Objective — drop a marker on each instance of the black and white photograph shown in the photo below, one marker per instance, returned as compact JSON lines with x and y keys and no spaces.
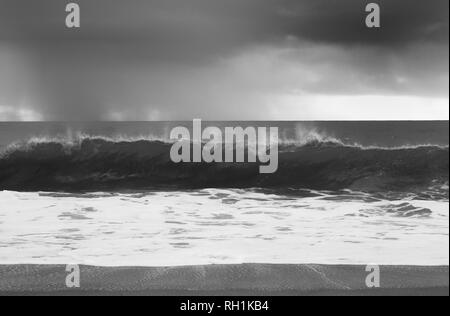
{"x":209,"y":150}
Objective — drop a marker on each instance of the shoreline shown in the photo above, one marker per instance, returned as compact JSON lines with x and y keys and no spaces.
{"x":225,"y":280}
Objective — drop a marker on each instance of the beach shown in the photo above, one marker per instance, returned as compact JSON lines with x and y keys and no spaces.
{"x":232,"y":148}
{"x":224,"y":280}
{"x":110,"y":200}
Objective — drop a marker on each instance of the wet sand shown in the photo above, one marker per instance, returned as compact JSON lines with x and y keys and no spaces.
{"x":224,"y":280}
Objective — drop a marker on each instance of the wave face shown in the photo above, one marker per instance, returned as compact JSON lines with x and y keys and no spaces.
{"x":98,"y":164}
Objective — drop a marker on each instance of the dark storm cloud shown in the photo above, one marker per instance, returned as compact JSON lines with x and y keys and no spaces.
{"x":140,"y":59}
{"x":341,"y":21}
{"x":168,"y":24}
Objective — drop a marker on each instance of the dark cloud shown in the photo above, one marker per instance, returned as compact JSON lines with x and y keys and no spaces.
{"x":140,"y":59}
{"x":224,"y":23}
{"x":342,"y":21}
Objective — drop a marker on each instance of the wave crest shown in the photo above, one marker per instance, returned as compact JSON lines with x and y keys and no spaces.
{"x":314,"y":161}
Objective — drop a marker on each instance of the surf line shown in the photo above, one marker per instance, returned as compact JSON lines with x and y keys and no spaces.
{"x":208,"y":145}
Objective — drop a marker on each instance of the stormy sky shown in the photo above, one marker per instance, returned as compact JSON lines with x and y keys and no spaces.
{"x":224,"y":60}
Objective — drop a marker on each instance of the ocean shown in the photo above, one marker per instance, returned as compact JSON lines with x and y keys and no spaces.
{"x":108,"y":194}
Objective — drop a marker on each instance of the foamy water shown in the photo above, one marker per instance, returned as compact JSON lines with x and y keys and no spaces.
{"x":220,"y":227}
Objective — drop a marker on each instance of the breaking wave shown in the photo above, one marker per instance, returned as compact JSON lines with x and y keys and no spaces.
{"x":312,"y":160}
